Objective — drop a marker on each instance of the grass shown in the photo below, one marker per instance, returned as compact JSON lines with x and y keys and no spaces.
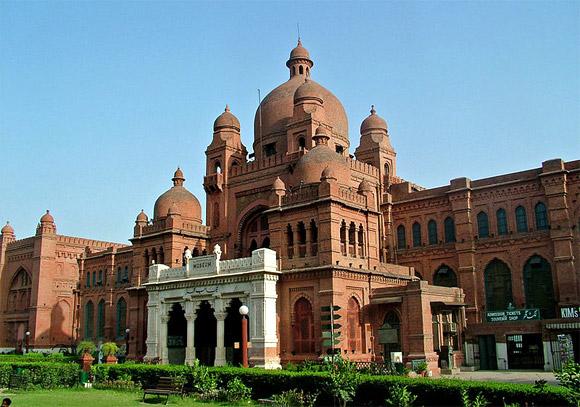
{"x":81,"y":397}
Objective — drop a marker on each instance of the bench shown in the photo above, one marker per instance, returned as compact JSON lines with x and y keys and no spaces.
{"x":166,"y":386}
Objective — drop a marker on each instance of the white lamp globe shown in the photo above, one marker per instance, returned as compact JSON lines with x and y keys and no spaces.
{"x":244,"y":310}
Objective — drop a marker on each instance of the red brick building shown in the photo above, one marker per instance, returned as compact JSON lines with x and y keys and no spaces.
{"x":406,"y":265}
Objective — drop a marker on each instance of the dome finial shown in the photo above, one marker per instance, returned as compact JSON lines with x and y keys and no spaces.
{"x":227,"y":109}
{"x":373,"y":111}
{"x":178,"y":177}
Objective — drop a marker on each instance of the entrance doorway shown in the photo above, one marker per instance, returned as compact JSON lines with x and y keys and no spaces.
{"x":205,"y":334}
{"x":233,"y":333}
{"x":487,"y":355}
{"x":390,"y":337}
{"x":176,"y":335}
{"x":525,"y":351}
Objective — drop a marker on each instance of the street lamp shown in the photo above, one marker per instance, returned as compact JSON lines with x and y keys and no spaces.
{"x":243,"y":312}
{"x":27,"y":340}
{"x":127,"y":341}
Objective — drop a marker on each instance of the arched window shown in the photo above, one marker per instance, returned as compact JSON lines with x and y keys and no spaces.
{"x":392,"y":327}
{"x":354,"y":326}
{"x":432,"y":229}
{"x":301,"y":239}
{"x":352,"y":239}
{"x":521,"y":220}
{"x":541,"y":216}
{"x":121,"y":317}
{"x":482,"y":225}
{"x":449,"y":226}
{"x":301,"y":69}
{"x":303,"y":327}
{"x":290,"y":241}
{"x":88,"y":282}
{"x":126,"y":275}
{"x":147,"y":260}
{"x":387,"y":175}
{"x":343,"y":244}
{"x":119,"y":278}
{"x":100,"y":278}
{"x":498,"y":286}
{"x":314,"y":238}
{"x":255,"y":229}
{"x":195,"y":252}
{"x":20,"y":292}
{"x":101,"y":319}
{"x":361,"y":241}
{"x":265,"y":243}
{"x":89,"y":319}
{"x":216,"y":214}
{"x":161,"y":256}
{"x":416,"y":234}
{"x":154,"y":256}
{"x":401,"y":239}
{"x":94,"y":278}
{"x":234,"y":166}
{"x":502,"y":228}
{"x":301,"y":143}
{"x":539,"y":287}
{"x":217,"y":167}
{"x":445,"y":276}
{"x":253,"y":245}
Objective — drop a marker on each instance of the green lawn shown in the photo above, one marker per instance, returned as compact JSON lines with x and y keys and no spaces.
{"x":96,"y":398}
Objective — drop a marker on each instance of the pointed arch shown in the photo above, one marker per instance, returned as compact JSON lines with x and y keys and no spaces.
{"x":449,"y":226}
{"x":482,"y":225}
{"x":521,"y":220}
{"x":539,"y":287}
{"x":401,"y":238}
{"x":502,"y":226}
{"x":354,"y":328}
{"x":432,"y":230}
{"x":303,"y":327}
{"x":498,"y":286}
{"x":89,"y":320}
{"x":445,"y":276}
{"x":121,"y":320}
{"x":416,"y":228}
{"x":101,"y":319}
{"x":343,"y":243}
{"x":19,"y":294}
{"x":541,"y":216}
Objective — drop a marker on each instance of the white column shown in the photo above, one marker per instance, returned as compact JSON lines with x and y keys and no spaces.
{"x":152,"y":332}
{"x":190,"y":307}
{"x":548,"y":357}
{"x":220,"y":350}
{"x":163,"y":339}
{"x":501,"y":355}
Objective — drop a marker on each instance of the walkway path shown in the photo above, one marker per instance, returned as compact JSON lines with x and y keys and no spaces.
{"x":506,"y":376}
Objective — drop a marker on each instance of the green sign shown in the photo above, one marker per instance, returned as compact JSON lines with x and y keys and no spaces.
{"x":327,"y":308}
{"x":513,"y":315}
{"x":328,"y":342}
{"x":570,"y":311}
{"x":328,"y":335}
{"x":328,"y":327}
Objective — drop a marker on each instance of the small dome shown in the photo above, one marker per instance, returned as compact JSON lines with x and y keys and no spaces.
{"x":226,"y":120}
{"x":278,"y":185}
{"x":7,"y":229}
{"x":365,"y":186}
{"x":178,"y":174}
{"x":309,"y":90}
{"x":327,"y":173}
{"x":321,"y":158}
{"x":187,"y":205}
{"x":373,"y":122}
{"x":299,"y":52}
{"x":173,"y":210}
{"x":47,"y":218}
{"x":142,"y":217}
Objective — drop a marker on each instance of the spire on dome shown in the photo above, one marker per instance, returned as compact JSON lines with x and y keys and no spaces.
{"x":178,"y":178}
{"x":373,"y":111}
{"x":227,"y":109}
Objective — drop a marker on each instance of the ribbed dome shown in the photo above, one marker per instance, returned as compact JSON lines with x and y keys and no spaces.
{"x":47,"y":218}
{"x":299,"y":52}
{"x":185,"y":202}
{"x":226,"y":120}
{"x":365,"y":186}
{"x":278,"y":108}
{"x":7,"y":229}
{"x":373,"y":122}
{"x":309,"y":90}
{"x":321,"y":158}
{"x":142,"y":217}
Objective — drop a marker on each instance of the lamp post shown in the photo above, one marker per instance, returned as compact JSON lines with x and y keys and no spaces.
{"x":243,"y":312}
{"x":27,"y":340}
{"x":127,"y":341}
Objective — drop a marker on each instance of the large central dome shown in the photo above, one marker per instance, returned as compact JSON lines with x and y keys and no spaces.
{"x":277,"y":108}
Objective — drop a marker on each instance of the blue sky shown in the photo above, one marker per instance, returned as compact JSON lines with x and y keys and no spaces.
{"x":101,"y":101}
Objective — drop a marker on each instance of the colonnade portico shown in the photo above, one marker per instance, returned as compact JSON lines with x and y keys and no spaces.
{"x":216,"y":285}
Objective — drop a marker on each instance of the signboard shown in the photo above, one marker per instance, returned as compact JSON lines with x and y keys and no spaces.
{"x":388,"y":335}
{"x":570,"y":312}
{"x":513,"y":315}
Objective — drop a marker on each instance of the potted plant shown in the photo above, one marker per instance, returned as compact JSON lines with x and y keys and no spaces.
{"x":85,"y":349}
{"x":110,"y":350}
{"x":422,"y":368}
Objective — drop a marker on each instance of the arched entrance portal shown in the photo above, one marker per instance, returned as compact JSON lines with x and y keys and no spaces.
{"x":176,"y":335}
{"x":205,"y":334}
{"x":233,"y":333}
{"x":390,"y":335}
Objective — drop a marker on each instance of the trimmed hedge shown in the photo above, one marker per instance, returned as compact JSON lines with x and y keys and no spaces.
{"x":372,"y":390}
{"x":38,"y":357}
{"x":40,"y":374}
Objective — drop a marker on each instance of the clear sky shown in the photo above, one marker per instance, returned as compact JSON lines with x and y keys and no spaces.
{"x":101,"y":101}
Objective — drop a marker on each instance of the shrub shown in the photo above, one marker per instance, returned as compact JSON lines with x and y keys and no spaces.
{"x":342,"y":380}
{"x":294,"y":398}
{"x":400,"y":397}
{"x":421,"y":367}
{"x":569,"y":377}
{"x":43,"y":374}
{"x":236,"y":391}
{"x":86,"y":347}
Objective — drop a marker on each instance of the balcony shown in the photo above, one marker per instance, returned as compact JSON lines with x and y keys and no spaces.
{"x":213,"y":183}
